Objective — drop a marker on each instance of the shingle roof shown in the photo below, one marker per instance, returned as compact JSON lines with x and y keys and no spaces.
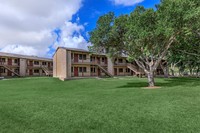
{"x":24,"y":56}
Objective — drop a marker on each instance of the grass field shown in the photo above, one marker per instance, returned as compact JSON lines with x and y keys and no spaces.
{"x":47,"y":105}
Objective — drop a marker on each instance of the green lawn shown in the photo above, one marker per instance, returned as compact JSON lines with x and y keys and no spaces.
{"x":46,"y":105}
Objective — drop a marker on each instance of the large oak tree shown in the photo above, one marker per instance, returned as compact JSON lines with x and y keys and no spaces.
{"x":146,"y":35}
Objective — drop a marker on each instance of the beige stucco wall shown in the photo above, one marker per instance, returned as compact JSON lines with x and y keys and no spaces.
{"x":60,"y":64}
{"x":69,"y":63}
{"x":110,"y":66}
{"x":23,"y":66}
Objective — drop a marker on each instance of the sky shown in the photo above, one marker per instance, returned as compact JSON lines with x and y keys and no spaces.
{"x":38,"y":27}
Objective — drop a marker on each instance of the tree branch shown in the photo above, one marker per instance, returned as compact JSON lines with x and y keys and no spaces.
{"x":188,"y":53}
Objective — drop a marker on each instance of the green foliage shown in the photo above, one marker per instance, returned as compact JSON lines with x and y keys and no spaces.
{"x":147,"y":33}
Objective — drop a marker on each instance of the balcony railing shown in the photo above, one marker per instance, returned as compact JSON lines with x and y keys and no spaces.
{"x":8,"y":63}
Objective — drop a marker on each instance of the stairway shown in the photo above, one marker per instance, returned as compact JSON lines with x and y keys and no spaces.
{"x":6,"y":67}
{"x":47,"y":71}
{"x":135,"y":70}
{"x":104,"y":70}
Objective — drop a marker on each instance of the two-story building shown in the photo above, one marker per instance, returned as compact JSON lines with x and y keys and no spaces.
{"x":22,"y":65}
{"x":69,"y":63}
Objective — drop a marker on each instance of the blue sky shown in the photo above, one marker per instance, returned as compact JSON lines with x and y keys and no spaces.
{"x":35,"y":27}
{"x":93,"y":9}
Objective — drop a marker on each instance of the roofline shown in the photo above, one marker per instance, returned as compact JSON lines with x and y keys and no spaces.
{"x":27,"y":56}
{"x":70,"y":49}
{"x":81,"y":50}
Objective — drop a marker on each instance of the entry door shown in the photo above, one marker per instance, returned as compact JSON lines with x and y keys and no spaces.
{"x":115,"y":71}
{"x":9,"y":73}
{"x":30,"y":72}
{"x":99,"y":72}
{"x":31,"y":63}
{"x":98,"y":60}
{"x":106,"y":61}
{"x":75,"y":57}
{"x":75,"y":71}
{"x":49,"y":64}
{"x":10,"y":62}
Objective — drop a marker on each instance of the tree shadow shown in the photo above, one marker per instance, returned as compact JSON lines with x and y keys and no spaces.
{"x":171,"y":82}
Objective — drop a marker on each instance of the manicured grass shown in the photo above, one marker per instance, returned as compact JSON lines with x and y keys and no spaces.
{"x":46,"y":105}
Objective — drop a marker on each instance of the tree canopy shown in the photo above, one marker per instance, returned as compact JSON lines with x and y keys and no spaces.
{"x":147,"y":35}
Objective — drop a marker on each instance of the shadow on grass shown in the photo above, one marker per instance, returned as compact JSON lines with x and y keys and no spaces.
{"x":172,"y":82}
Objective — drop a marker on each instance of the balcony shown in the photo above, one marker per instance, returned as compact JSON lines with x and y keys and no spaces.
{"x":9,"y":63}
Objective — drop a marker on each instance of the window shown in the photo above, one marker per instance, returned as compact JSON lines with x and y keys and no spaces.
{"x":44,"y":63}
{"x":2,"y":70}
{"x":121,"y":70}
{"x":92,"y":59}
{"x":16,"y":70}
{"x":80,"y":69}
{"x":92,"y":70}
{"x":80,"y":56}
{"x":84,"y":69}
{"x":120,"y":60}
{"x":36,"y":71}
{"x":72,"y":56}
{"x":103,"y":59}
{"x":2,"y":60}
{"x":127,"y":70}
{"x":16,"y":61}
{"x":72,"y":69}
{"x":84,"y":57}
{"x":36,"y":62}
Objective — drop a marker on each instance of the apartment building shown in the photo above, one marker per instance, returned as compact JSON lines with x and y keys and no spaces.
{"x":69,"y":63}
{"x":22,"y":65}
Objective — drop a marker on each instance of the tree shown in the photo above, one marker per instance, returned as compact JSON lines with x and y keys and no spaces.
{"x":146,"y":35}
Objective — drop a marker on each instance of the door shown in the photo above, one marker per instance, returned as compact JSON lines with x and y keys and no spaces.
{"x":49,"y":64}
{"x":99,"y":72}
{"x":75,"y":57}
{"x":31,"y":63}
{"x":30,"y":72}
{"x":98,"y":60}
{"x":9,"y":73}
{"x":10,"y":62}
{"x":75,"y":71}
{"x":106,"y":61}
{"x":115,"y":71}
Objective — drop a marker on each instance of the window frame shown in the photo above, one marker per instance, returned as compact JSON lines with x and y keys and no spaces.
{"x":36,"y":63}
{"x":34,"y":71}
{"x":121,"y":70}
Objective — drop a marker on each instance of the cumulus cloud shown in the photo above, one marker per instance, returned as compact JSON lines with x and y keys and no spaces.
{"x":70,"y":36}
{"x":27,"y":25}
{"x":126,"y":2}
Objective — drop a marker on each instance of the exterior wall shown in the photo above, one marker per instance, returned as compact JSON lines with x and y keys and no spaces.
{"x":55,"y":65}
{"x":82,"y":74}
{"x":60,"y":59}
{"x":124,"y":73}
{"x":23,"y":67}
{"x":110,"y":66}
{"x":69,"y":63}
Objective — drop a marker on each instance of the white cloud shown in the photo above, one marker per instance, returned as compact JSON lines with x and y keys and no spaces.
{"x":71,"y":36}
{"x":126,"y":2}
{"x":27,"y":25}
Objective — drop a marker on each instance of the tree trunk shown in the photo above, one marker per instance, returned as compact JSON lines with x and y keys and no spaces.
{"x":172,"y":71}
{"x":151,"y":79}
{"x":165,"y":70}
